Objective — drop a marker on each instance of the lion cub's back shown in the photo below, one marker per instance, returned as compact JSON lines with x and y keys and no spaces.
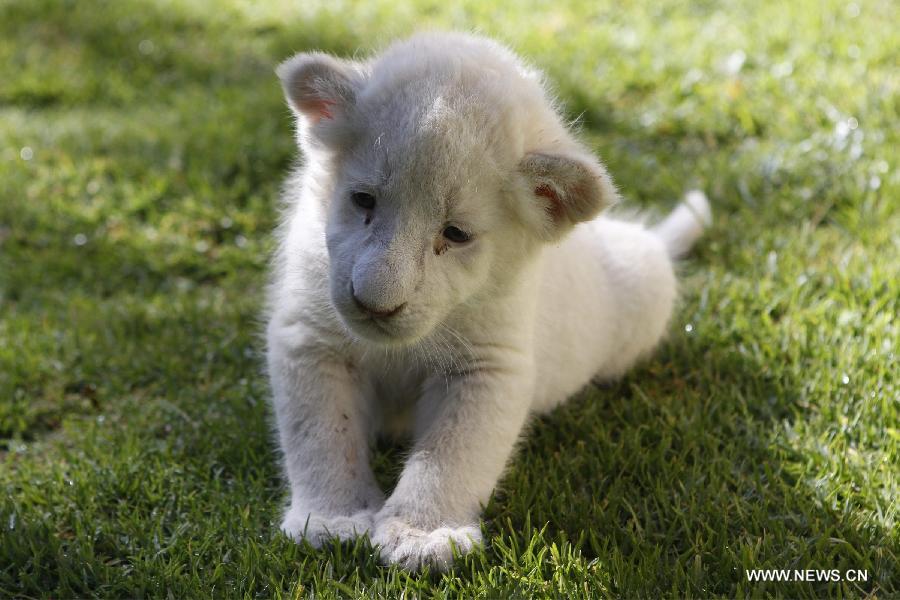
{"x":606,"y":297}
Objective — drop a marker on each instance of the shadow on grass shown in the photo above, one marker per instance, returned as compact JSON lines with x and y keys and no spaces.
{"x":663,"y":469}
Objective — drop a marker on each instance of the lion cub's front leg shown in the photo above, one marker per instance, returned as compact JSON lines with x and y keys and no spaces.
{"x":459,"y":454}
{"x":322,"y":426}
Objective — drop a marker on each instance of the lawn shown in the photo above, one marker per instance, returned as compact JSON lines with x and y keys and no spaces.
{"x":142,"y":146}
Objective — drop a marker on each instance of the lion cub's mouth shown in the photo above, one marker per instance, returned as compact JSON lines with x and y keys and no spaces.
{"x":388,"y":329}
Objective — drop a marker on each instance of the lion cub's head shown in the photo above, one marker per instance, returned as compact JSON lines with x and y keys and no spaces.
{"x":443,"y":166}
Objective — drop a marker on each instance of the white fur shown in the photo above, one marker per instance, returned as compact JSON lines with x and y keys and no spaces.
{"x":443,"y":129}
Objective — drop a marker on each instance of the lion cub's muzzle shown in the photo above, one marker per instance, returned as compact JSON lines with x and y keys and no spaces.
{"x":373,"y":311}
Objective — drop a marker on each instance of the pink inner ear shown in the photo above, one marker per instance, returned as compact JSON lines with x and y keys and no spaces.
{"x":318,"y":109}
{"x":555,"y":208}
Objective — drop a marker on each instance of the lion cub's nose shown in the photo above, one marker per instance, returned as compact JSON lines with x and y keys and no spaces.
{"x":374,"y":312}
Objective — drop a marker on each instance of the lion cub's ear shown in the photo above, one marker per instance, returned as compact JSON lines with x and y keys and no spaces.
{"x":563,"y":189}
{"x":320,"y":87}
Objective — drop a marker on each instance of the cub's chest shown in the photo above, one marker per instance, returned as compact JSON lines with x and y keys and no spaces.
{"x":393,"y":392}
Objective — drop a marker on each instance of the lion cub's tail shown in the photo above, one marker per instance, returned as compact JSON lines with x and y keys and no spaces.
{"x":685,"y":224}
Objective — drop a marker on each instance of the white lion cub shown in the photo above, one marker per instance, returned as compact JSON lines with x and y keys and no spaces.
{"x":443,"y":257}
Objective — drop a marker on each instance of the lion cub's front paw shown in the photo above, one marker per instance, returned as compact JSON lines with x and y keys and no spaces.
{"x":412,"y":548}
{"x":318,"y":529}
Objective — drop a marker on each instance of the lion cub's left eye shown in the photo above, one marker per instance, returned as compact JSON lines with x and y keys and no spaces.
{"x":363,"y":200}
{"x":456,"y":235}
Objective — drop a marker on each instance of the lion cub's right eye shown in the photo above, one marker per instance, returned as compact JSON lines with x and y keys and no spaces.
{"x":363,"y":200}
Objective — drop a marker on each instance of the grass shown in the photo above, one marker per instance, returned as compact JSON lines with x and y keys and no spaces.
{"x":141,"y":150}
